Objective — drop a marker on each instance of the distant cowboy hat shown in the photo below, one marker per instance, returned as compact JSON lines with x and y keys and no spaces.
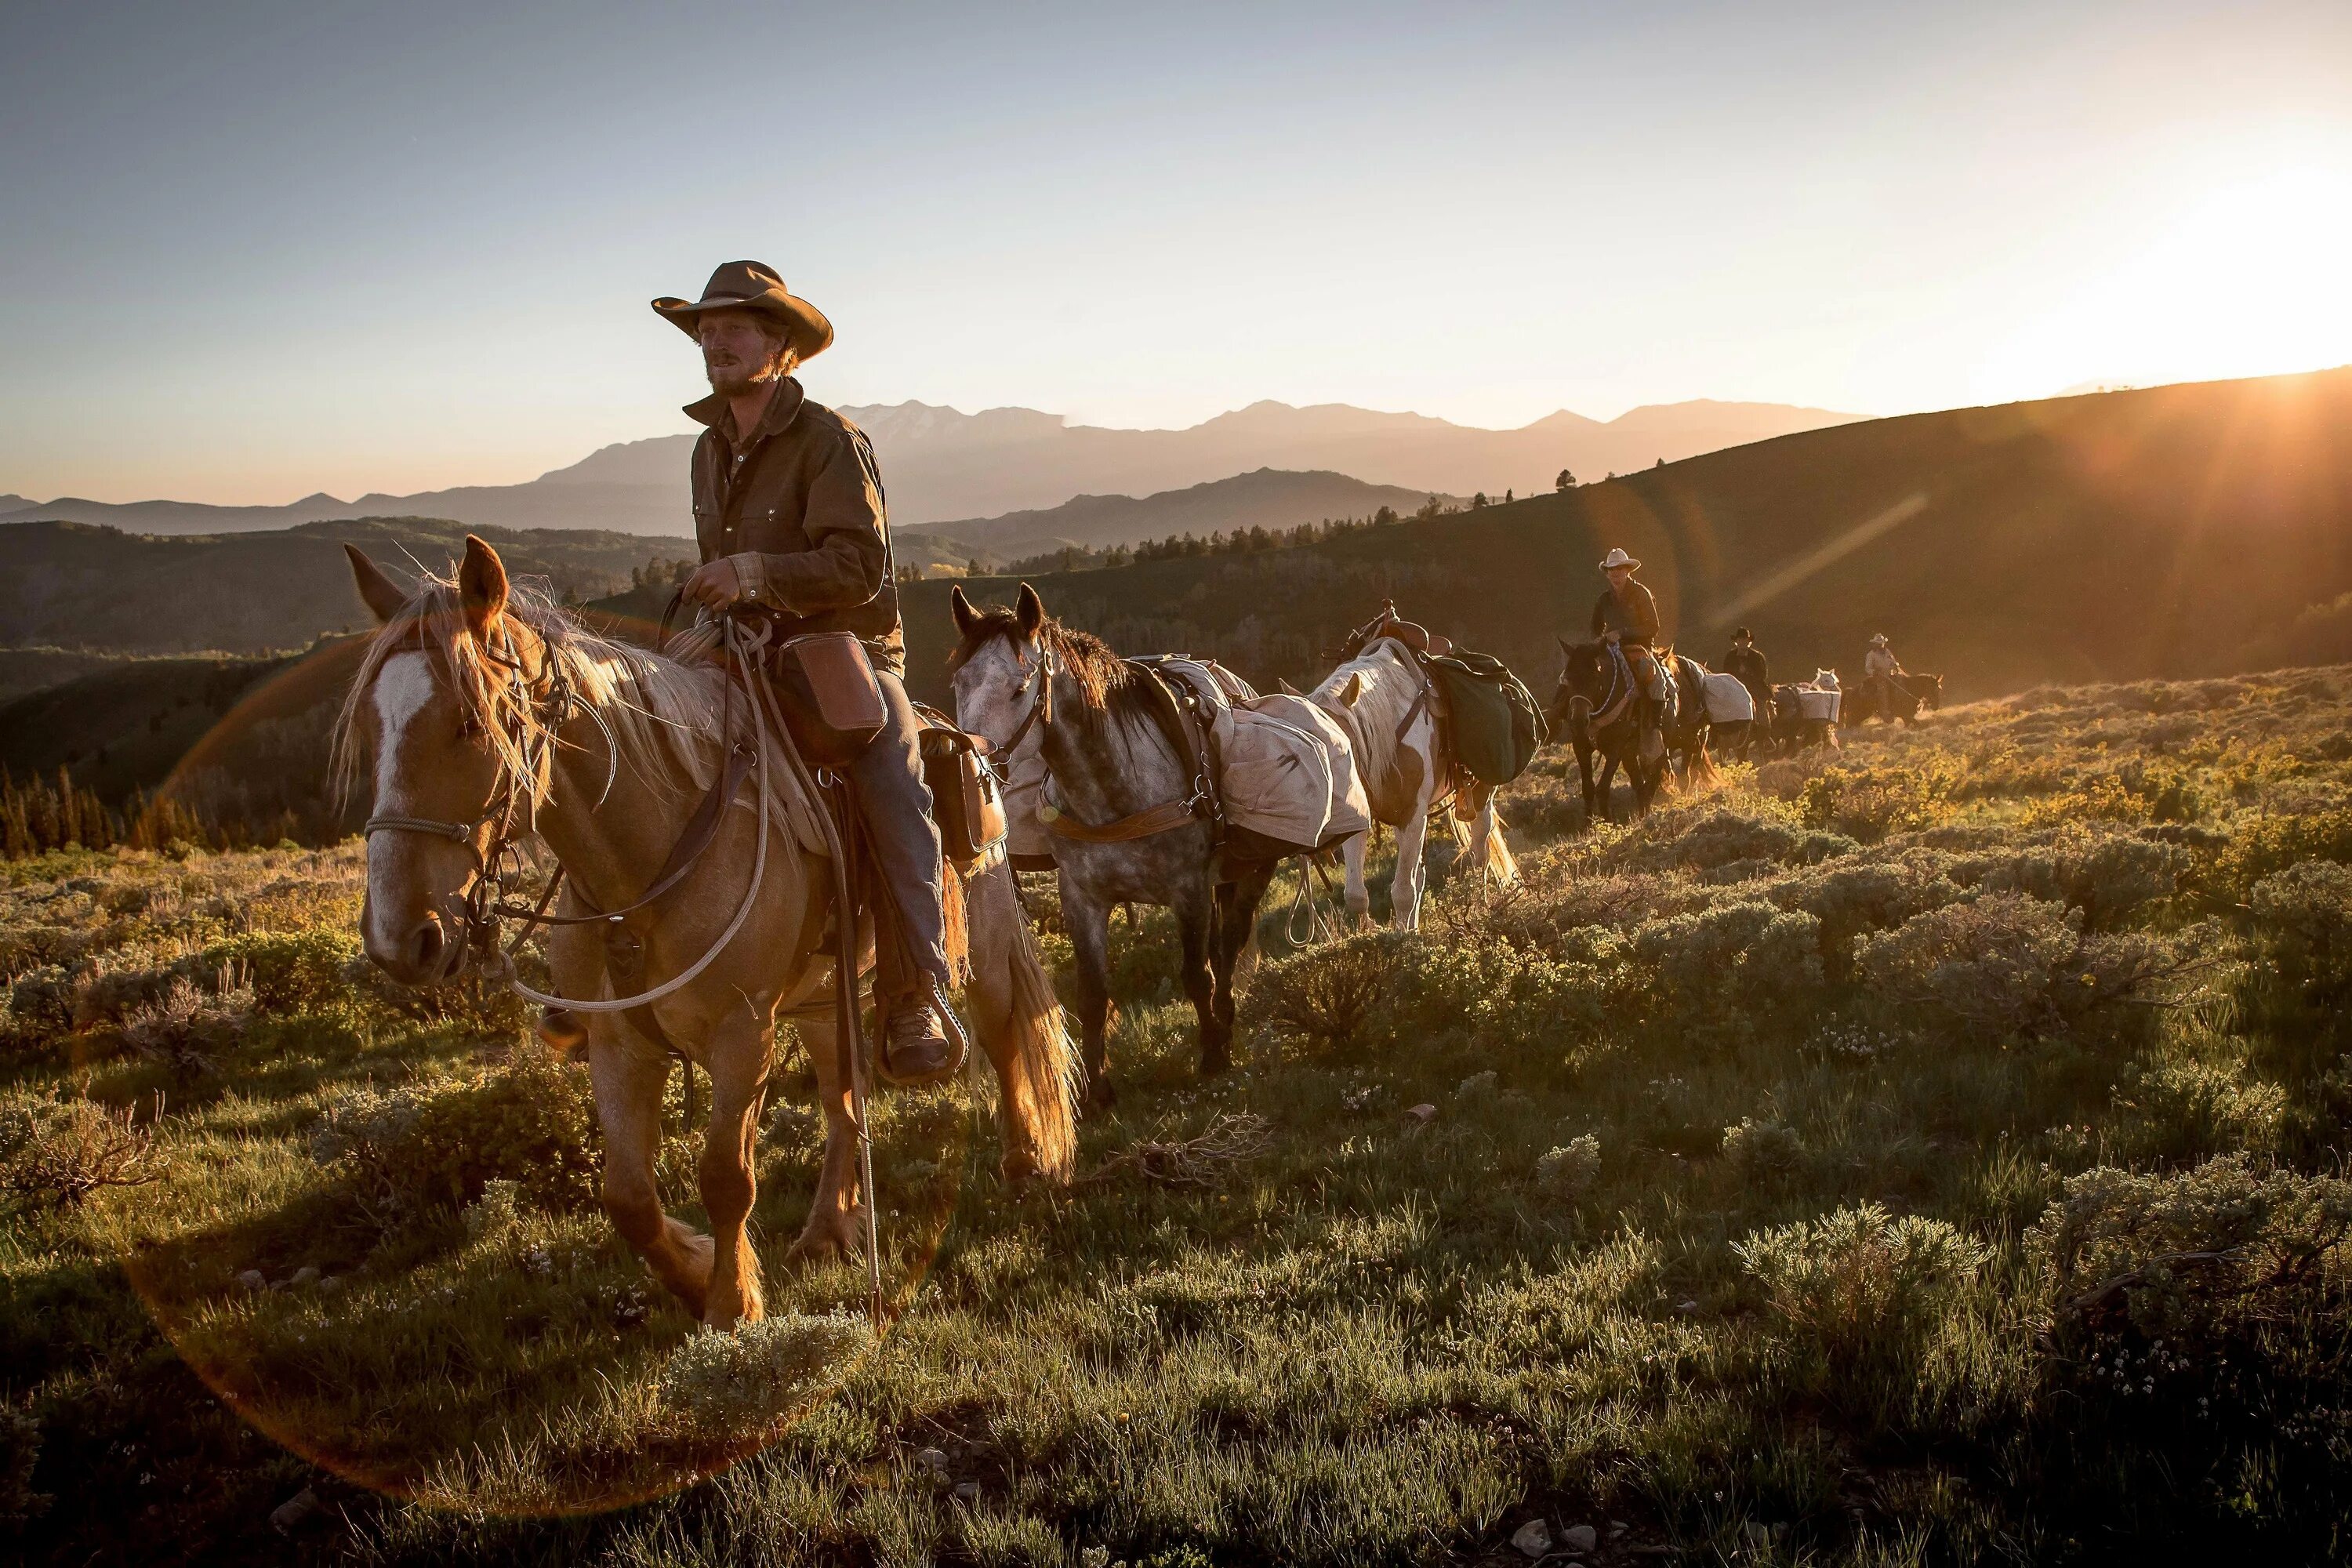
{"x":1617,"y":558}
{"x":1878,"y":639}
{"x":754,"y":286}
{"x":1743,"y":635}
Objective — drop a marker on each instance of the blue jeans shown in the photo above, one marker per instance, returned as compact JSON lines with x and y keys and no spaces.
{"x":902,"y":849}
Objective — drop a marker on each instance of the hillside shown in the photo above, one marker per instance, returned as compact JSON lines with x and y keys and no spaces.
{"x":1268,"y":499}
{"x":1929,"y":1154}
{"x":75,"y":587}
{"x":942,"y":464}
{"x":2182,"y":529}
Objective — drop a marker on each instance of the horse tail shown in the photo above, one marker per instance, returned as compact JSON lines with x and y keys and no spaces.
{"x":1499,"y":863}
{"x":1044,"y":1064}
{"x":956,"y":920}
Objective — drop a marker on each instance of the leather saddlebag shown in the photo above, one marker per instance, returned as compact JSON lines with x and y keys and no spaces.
{"x":829,"y":695}
{"x":965,"y":801}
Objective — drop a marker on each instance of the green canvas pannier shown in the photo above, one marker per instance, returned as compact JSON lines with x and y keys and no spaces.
{"x":1497,"y":724}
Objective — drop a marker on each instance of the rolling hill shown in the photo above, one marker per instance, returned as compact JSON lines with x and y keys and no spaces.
{"x":1270,"y":498}
{"x":942,"y":464}
{"x":2177,"y":530}
{"x":76,"y":586}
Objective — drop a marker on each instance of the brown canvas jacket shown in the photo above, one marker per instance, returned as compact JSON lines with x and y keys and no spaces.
{"x":804,"y":498}
{"x":1634,"y":617}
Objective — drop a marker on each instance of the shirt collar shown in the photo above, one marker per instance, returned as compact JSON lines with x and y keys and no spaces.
{"x":783,"y":409}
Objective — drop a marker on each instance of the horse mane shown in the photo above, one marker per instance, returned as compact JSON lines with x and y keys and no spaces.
{"x":1379,"y":709}
{"x":1107,"y":684}
{"x":664,"y":717}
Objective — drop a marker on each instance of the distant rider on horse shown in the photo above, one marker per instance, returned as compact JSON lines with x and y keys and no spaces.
{"x":1627,"y":617}
{"x":788,"y":512}
{"x":1880,"y":669}
{"x":1745,"y":662}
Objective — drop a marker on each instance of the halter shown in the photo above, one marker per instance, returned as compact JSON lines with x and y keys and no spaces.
{"x":1041,"y":709}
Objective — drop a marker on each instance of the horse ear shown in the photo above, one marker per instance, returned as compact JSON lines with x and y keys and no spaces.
{"x":383,"y":597}
{"x":1353,"y":689}
{"x":1286,"y":687}
{"x":966,"y":617}
{"x":1029,"y":610}
{"x":1565,"y":646}
{"x":481,"y":585}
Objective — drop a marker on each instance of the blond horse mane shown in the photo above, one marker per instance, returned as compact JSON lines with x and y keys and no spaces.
{"x":664,"y":717}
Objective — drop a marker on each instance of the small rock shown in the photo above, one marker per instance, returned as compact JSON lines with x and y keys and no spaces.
{"x":306,"y":1275}
{"x":1532,"y":1538}
{"x":253,"y":1279}
{"x":967,"y":1491}
{"x":932,"y":1459}
{"x":1686,"y":1305}
{"x":332,"y":1283}
{"x":1422,"y":1113}
{"x":287,"y":1515}
{"x":1617,"y":1527}
{"x":1580,"y":1538}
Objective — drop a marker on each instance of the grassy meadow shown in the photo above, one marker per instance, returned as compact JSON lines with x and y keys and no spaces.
{"x":1927,"y":1151}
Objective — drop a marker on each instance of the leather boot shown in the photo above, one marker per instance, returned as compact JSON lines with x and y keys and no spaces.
{"x":915,"y":1048}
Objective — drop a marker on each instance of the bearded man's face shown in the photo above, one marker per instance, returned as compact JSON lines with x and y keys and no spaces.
{"x":739,"y":350}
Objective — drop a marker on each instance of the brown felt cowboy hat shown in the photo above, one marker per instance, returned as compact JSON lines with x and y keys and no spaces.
{"x":754,"y":286}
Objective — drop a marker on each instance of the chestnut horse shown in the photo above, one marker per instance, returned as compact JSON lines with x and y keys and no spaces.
{"x":490,"y":713}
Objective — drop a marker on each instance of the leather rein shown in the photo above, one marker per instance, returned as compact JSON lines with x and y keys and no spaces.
{"x":498,"y":863}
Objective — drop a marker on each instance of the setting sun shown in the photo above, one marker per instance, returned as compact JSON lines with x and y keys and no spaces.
{"x":2247,"y":281}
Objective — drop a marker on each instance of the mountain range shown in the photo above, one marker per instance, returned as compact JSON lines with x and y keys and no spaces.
{"x":939,"y":463}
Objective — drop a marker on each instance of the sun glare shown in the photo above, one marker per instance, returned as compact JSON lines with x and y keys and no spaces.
{"x":2251,"y":281}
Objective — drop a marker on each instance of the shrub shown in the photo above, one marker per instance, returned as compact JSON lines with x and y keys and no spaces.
{"x":54,"y":1155}
{"x":2272,"y":844}
{"x":1731,"y":957}
{"x":1763,"y":1151}
{"x":2016,"y":963}
{"x":1849,"y":900}
{"x":2189,"y":1254}
{"x":1868,"y":804}
{"x":760,"y":1371}
{"x":20,"y":1454}
{"x":1852,"y":1282}
{"x":188,"y":1027}
{"x":2109,"y":876}
{"x":290,"y":971}
{"x":1729,"y":837}
{"x":40,"y":1008}
{"x":2306,"y":914}
{"x":1570,"y":1170}
{"x":1325,"y":997}
{"x":443,"y":1141}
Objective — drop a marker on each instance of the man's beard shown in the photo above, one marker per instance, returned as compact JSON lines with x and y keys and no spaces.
{"x":734,"y":380}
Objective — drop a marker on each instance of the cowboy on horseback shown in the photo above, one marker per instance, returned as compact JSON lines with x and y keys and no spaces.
{"x":1626,"y":617}
{"x":1880,"y":670}
{"x":788,"y":512}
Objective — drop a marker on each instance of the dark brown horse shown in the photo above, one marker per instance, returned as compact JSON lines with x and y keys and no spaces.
{"x":1909,"y":696}
{"x":1598,"y":706}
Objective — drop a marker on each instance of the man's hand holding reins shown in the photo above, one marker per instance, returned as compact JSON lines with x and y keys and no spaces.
{"x":719,"y":584}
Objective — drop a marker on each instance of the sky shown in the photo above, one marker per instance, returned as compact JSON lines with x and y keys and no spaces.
{"x":254,"y":251}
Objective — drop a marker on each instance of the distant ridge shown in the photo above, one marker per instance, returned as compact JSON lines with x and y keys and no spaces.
{"x":939,"y":463}
{"x":1269,"y":498}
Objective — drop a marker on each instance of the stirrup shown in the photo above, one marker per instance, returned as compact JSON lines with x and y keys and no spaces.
{"x":959,"y":1043}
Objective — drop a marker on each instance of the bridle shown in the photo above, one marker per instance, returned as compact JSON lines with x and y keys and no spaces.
{"x":551,"y":704}
{"x":998,"y":760}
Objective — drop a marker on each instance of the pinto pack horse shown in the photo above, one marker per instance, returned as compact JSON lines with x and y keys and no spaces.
{"x":1382,"y":699}
{"x":1132,"y":817}
{"x":491,"y":713}
{"x":1597,"y":706}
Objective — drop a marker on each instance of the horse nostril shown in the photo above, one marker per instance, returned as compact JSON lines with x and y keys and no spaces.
{"x":425,"y":946}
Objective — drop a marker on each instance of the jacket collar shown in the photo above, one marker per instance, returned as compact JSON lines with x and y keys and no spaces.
{"x":783,"y":409}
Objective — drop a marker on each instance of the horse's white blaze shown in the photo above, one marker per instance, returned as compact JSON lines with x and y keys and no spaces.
{"x":403,"y":688}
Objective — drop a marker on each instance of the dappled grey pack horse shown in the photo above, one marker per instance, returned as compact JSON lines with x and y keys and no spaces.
{"x":491,"y":714}
{"x":1019,"y":674}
